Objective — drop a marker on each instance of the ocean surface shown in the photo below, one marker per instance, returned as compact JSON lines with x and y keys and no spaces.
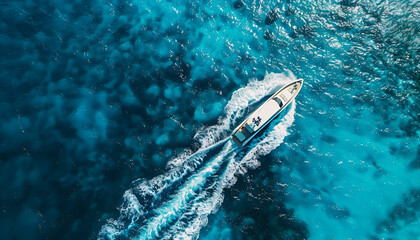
{"x":115,"y":119}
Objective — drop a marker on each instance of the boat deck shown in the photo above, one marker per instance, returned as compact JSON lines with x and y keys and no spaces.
{"x":262,"y":115}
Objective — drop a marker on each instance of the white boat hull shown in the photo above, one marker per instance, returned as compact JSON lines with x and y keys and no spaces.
{"x":266,"y":113}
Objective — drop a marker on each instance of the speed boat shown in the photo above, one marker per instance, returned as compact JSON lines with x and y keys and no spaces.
{"x":266,"y":113}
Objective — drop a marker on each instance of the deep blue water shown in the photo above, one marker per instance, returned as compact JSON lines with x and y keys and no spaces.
{"x":115,"y":117}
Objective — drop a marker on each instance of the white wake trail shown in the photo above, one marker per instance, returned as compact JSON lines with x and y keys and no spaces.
{"x":172,"y":209}
{"x":132,"y":209}
{"x":261,"y":146}
{"x":176,"y":205}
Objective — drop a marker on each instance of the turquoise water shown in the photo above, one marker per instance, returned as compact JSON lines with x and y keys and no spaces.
{"x":116,"y":116}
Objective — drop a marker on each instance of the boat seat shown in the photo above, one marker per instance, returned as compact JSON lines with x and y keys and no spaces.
{"x":249,"y":128}
{"x":241,"y":137}
{"x":245,"y":132}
